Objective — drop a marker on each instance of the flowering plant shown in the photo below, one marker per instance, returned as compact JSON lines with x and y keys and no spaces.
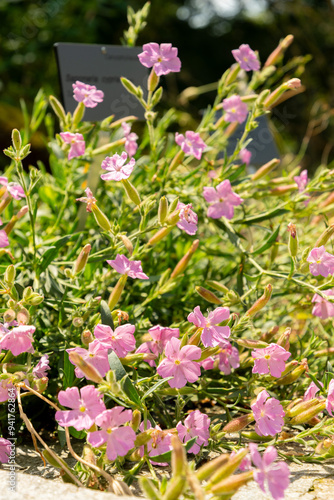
{"x":238,"y":318}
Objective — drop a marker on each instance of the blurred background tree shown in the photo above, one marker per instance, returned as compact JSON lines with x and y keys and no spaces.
{"x":205,"y":31}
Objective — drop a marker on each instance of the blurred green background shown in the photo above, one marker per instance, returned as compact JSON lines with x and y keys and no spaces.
{"x":205,"y":31}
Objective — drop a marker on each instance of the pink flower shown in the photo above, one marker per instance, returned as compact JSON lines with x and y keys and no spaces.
{"x":246,"y":57}
{"x":228,"y":357}
{"x":212,"y":334}
{"x":5,"y":385}
{"x":245,"y":156}
{"x":130,"y":267}
{"x":89,"y":199}
{"x":321,"y":262}
{"x":312,"y":390}
{"x":77,"y":144}
{"x":271,"y":360}
{"x":14,"y":189}
{"x":197,"y":424}
{"x":42,"y":367}
{"x":87,"y":94}
{"x":301,"y":181}
{"x":120,"y":439}
{"x":235,"y":109}
{"x":116,"y":168}
{"x":208,"y":363}
{"x":191,"y":144}
{"x":188,"y":218}
{"x":160,"y":335}
{"x":4,"y":241}
{"x":121,"y":340}
{"x":223,"y":200}
{"x":159,"y":443}
{"x":246,"y":463}
{"x":268,"y":414}
{"x":162,"y":58}
{"x":330,"y":398}
{"x":96,"y":355}
{"x":322,"y":307}
{"x":86,"y":406}
{"x":276,"y":475}
{"x":18,"y":340}
{"x":5,"y":449}
{"x":179,"y":363}
{"x":130,"y":145}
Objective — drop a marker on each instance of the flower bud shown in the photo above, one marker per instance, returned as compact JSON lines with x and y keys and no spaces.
{"x":253,"y":436}
{"x":10,"y":274}
{"x":230,"y":485}
{"x":283,"y":339}
{"x":57,"y":108}
{"x":293,"y":240}
{"x":182,"y":264}
{"x":130,"y":87}
{"x":117,"y":291}
{"x":9,"y":316}
{"x":88,"y":454}
{"x":209,"y":351}
{"x":251,"y":344}
{"x":162,"y":210}
{"x":35,"y":299}
{"x":206,"y":470}
{"x":101,"y":218}
{"x":136,"y":419}
{"x":261,"y":302}
{"x":301,"y":407}
{"x":325,"y":447}
{"x":81,"y":261}
{"x":126,"y":242}
{"x":267,"y":336}
{"x":89,"y":370}
{"x":152,"y":81}
{"x":78,"y":113}
{"x":178,"y":158}
{"x":143,"y":437}
{"x":23,"y":316}
{"x":25,"y":151}
{"x":131,"y":191}
{"x":175,"y":488}
{"x":306,"y":415}
{"x":226,"y":470}
{"x":196,"y":337}
{"x":149,"y":488}
{"x":272,"y":99}
{"x":265,"y":169}
{"x":207,"y":295}
{"x":159,"y":235}
{"x":325,"y":236}
{"x":278,"y":53}
{"x":232,"y":74}
{"x":173,"y":218}
{"x":107,"y":148}
{"x":86,"y":337}
{"x":294,"y":375}
{"x":217,"y":286}
{"x":179,"y":460}
{"x":239,"y":423}
{"x":41,"y":384}
{"x":4,"y":203}
{"x":16,"y":140}
{"x":77,"y":322}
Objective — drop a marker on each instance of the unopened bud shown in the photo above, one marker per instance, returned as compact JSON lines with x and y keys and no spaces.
{"x":182,"y":264}
{"x":57,"y":108}
{"x":159,"y":235}
{"x":143,"y":438}
{"x":162,"y":210}
{"x":81,"y":261}
{"x":153,"y":81}
{"x":261,"y":302}
{"x":173,"y":218}
{"x":301,"y":407}
{"x":23,"y":316}
{"x":265,"y":169}
{"x":251,"y":344}
{"x":226,"y":470}
{"x":267,"y":336}
{"x":233,"y":73}
{"x":179,"y":459}
{"x":16,"y":140}
{"x":325,"y":447}
{"x":35,"y":299}
{"x":10,"y":274}
{"x":101,"y":218}
{"x":86,"y":337}
{"x":77,"y":322}
{"x":293,"y":240}
{"x":136,"y":419}
{"x":325,"y":236}
{"x":217,"y":286}
{"x":239,"y":423}
{"x":126,"y":242}
{"x":22,"y":212}
{"x":117,"y":291}
{"x":231,"y":484}
{"x":209,"y":468}
{"x":131,"y":191}
{"x":175,"y":488}
{"x":89,"y":370}
{"x":78,"y":113}
{"x":149,"y":488}
{"x":207,"y":295}
{"x":9,"y":316}
{"x":41,"y":384}
{"x":294,"y":84}
{"x":4,"y":203}
{"x":293,"y":375}
{"x":88,"y":454}
{"x":178,"y":158}
{"x":283,"y":339}
{"x":306,"y":415}
{"x":130,"y":87}
{"x":277,"y":54}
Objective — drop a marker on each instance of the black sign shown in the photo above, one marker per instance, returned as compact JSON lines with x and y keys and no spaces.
{"x":102,"y":66}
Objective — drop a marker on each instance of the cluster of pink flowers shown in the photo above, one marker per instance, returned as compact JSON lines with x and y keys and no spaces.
{"x":160,"y":336}
{"x":162,"y":58}
{"x":77,"y":144}
{"x":117,"y":168}
{"x":268,"y":413}
{"x":88,"y":94}
{"x":222,"y":199}
{"x":271,"y":360}
{"x":212,"y":334}
{"x":191,"y":144}
{"x":321,"y":262}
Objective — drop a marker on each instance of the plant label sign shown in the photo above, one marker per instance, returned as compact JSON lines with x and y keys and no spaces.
{"x":102,"y":66}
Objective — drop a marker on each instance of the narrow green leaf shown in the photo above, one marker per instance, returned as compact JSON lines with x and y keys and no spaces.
{"x":123,"y":377}
{"x":268,"y":242}
{"x":264,"y":216}
{"x":106,"y":317}
{"x":155,"y":386}
{"x":68,"y":372}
